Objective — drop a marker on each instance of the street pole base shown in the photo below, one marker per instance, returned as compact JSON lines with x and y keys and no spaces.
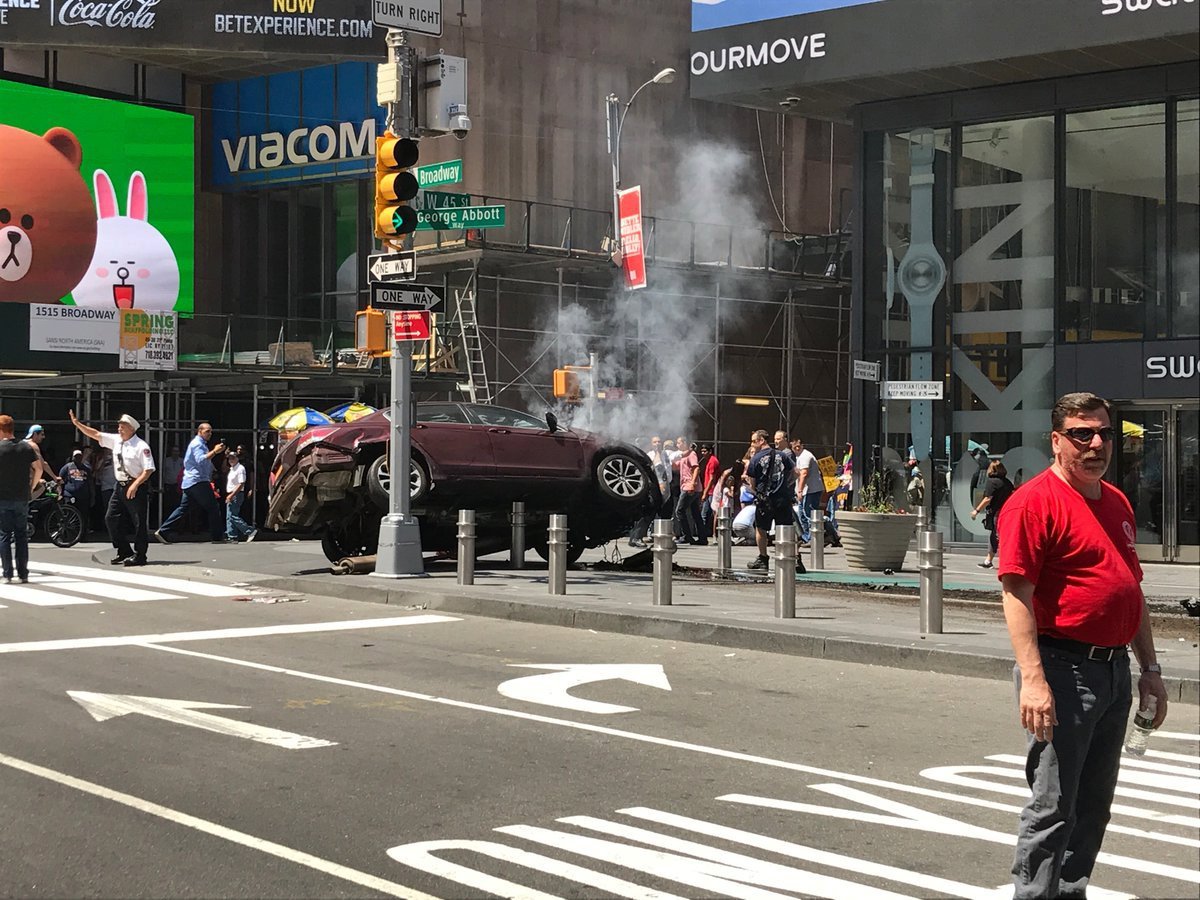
{"x":399,"y":554}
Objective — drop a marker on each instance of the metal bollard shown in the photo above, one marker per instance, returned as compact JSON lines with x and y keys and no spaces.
{"x":466,"y":546}
{"x":662,"y":543}
{"x":517,"y":553}
{"x":558,"y":554}
{"x":724,"y":540}
{"x":817,"y":534}
{"x":922,"y":519}
{"x":929,"y":562}
{"x":785,"y":571}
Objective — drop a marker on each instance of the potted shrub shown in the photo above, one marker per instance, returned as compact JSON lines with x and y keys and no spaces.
{"x":875,"y":533}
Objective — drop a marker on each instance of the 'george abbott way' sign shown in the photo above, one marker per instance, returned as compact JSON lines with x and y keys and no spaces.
{"x":310,"y":125}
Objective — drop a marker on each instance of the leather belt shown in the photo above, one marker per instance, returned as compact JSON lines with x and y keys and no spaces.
{"x":1088,"y":651}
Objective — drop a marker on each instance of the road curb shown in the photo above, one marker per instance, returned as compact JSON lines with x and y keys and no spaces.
{"x":789,"y":638}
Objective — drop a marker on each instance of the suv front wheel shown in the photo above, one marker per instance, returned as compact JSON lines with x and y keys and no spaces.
{"x":620,"y":477}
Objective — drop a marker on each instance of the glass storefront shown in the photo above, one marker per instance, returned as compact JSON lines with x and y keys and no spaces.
{"x":992,"y":245}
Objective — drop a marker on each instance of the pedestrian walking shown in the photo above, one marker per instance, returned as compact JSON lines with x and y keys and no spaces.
{"x":660,"y":467}
{"x":1073,"y":602}
{"x":810,"y":488}
{"x":236,"y":527}
{"x":710,"y":477}
{"x":197,"y":486}
{"x":20,"y":469}
{"x":995,"y":494}
{"x":687,"y":509}
{"x":769,"y":473}
{"x":128,"y":506}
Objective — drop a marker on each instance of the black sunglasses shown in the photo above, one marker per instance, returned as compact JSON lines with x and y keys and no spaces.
{"x":1084,"y":435}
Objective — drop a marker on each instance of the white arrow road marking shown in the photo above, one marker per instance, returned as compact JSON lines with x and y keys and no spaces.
{"x":183,"y":712}
{"x":552,"y":689}
{"x":186,"y":585}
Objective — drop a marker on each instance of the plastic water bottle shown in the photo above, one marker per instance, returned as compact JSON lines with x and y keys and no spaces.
{"x":1143,"y":724}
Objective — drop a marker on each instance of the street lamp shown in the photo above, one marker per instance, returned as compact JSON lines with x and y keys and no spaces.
{"x":616,"y":112}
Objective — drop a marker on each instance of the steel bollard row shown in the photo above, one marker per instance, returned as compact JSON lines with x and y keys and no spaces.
{"x":517,"y":553}
{"x":785,"y":571}
{"x":558,"y":545}
{"x":724,"y":541}
{"x":817,"y":534}
{"x":931,"y":566}
{"x":466,"y":546}
{"x":662,"y":545}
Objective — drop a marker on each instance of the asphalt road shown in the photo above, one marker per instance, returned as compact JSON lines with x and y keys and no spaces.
{"x":373,"y":751}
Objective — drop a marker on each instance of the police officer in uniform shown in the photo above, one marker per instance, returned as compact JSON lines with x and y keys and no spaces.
{"x":134,"y":464}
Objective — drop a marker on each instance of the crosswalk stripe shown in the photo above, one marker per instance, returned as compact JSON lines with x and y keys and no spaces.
{"x":39,"y":597}
{"x":124,"y":576}
{"x":109,"y":591}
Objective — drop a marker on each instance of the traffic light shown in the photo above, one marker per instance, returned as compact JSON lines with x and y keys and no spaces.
{"x":395,"y":186}
{"x":566,"y":385}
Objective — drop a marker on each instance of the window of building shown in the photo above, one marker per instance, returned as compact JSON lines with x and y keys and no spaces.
{"x":1116,"y":224}
{"x":1185,"y":321}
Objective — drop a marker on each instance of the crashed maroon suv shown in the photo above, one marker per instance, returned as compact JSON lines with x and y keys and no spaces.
{"x":333,"y":479}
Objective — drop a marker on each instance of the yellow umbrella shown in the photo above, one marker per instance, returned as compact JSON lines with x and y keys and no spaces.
{"x":348,"y":412}
{"x":1132,"y":429}
{"x":297,"y":419}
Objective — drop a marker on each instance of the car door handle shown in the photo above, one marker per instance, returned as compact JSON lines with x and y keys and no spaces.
{"x":497,"y":431}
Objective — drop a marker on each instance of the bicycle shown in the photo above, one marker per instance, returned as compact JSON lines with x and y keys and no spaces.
{"x":57,"y":515}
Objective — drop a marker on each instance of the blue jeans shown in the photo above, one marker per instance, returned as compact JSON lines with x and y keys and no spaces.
{"x":1063,"y":825}
{"x":235,"y":526}
{"x":202,"y":495}
{"x":808,"y":503}
{"x":13,"y":516}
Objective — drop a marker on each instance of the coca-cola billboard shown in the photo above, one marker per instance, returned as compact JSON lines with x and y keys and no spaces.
{"x":341,"y":28}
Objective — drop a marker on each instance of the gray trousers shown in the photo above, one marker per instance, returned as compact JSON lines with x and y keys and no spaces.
{"x":1073,"y":777}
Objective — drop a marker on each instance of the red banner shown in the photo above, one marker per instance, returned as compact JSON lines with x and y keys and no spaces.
{"x":410,"y":326}
{"x":629,"y":205}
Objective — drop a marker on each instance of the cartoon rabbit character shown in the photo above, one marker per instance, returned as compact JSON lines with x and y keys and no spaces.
{"x":133,"y":266}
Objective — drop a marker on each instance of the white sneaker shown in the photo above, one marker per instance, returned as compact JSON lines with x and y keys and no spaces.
{"x":252,"y":535}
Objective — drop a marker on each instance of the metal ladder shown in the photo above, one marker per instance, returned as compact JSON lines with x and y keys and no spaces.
{"x":476,"y":385}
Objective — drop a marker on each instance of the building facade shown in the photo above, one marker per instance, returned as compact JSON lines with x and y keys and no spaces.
{"x":1028,"y":188}
{"x":744,"y":324}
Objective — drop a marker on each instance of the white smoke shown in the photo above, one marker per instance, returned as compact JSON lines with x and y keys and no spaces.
{"x":659,"y":343}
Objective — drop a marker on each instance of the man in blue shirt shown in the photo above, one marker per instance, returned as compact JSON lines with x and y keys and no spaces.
{"x":197,"y":487}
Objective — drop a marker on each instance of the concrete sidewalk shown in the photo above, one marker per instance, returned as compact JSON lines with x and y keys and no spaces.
{"x":835,"y":619}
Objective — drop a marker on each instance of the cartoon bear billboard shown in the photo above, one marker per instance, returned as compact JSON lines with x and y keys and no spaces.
{"x":63,"y":243}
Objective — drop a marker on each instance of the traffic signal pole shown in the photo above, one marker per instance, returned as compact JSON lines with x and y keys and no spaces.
{"x":399,"y":553}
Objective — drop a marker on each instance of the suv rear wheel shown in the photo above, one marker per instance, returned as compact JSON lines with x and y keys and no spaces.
{"x":379,"y":481}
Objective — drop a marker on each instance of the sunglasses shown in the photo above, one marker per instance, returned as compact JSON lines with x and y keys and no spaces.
{"x":1085,"y":435}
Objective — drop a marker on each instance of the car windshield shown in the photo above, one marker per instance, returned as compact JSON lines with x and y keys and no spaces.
{"x":507,"y":418}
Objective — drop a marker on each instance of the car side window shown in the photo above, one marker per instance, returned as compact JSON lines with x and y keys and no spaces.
{"x":446,"y":413}
{"x":506,"y":418}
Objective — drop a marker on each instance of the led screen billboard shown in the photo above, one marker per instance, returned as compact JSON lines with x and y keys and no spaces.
{"x":708,"y":14}
{"x":97,"y":202}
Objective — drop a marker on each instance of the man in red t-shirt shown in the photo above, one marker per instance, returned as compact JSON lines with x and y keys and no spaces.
{"x":1073,"y":602}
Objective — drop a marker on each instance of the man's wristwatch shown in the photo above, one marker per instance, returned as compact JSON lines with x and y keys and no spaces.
{"x":1153,"y":667}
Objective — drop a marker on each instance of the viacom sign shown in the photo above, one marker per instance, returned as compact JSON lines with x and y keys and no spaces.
{"x":301,"y":146}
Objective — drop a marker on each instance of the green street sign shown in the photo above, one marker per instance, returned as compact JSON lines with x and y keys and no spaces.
{"x":440,"y":200}
{"x":439,"y":173}
{"x":452,"y":219}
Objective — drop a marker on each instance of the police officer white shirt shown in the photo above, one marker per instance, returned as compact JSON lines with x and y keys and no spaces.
{"x":130,"y":458}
